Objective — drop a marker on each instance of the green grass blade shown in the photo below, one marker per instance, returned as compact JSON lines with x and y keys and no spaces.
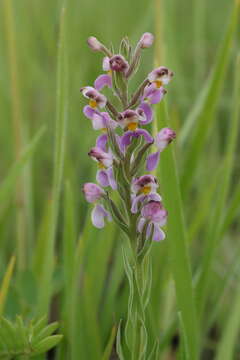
{"x":8,"y":184}
{"x":6,"y":283}
{"x":206,"y":116}
{"x":108,"y":349}
{"x":230,"y":334}
{"x":61,"y":120}
{"x":176,"y":238}
{"x":214,"y":230}
{"x":69,"y":246}
{"x":232,"y":209}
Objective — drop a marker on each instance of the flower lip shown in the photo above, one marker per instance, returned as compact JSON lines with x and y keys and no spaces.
{"x":118,"y":63}
{"x":92,"y":192}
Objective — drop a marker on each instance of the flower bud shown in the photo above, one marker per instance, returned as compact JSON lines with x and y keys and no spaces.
{"x":94,"y":44}
{"x":146,"y":40}
{"x":118,"y":63}
{"x":92,"y":192}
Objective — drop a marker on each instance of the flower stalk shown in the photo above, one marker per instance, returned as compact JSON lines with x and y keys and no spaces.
{"x":122,"y":155}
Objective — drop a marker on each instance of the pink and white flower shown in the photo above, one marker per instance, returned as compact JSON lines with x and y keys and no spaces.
{"x":156,"y":215}
{"x":96,"y":99}
{"x":130,"y":119}
{"x":144,"y":189}
{"x":100,"y":120}
{"x":160,"y":76}
{"x":118,"y":63}
{"x":105,"y":176}
{"x":93,"y":193}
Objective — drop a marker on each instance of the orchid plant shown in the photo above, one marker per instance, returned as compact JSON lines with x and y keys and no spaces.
{"x":124,"y":163}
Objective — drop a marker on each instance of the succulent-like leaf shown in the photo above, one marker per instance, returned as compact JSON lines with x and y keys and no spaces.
{"x":46,"y":344}
{"x":21,"y":341}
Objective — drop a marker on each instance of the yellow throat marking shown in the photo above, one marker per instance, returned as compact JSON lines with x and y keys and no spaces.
{"x":158,"y":83}
{"x":93,"y":103}
{"x":132,"y":126}
{"x":101,"y":166}
{"x":146,"y":190}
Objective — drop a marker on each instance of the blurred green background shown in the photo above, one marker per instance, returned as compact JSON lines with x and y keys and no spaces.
{"x":64,"y":267}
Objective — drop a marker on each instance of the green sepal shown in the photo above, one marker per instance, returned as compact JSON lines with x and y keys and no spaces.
{"x":113,"y":144}
{"x":139,"y":159}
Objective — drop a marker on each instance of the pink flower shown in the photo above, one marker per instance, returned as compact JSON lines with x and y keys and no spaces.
{"x":129,"y":119}
{"x":144,"y":189}
{"x":118,"y":63}
{"x":100,"y":120}
{"x":105,"y":159}
{"x":105,"y":176}
{"x":160,"y":76}
{"x":96,"y":98}
{"x":156,"y":215}
{"x":92,"y":192}
{"x":144,"y":184}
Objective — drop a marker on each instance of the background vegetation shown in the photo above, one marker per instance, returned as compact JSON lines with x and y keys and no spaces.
{"x":52,"y":261}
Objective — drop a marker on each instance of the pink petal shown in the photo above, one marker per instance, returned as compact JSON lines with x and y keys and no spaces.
{"x":158,"y":234}
{"x":102,"y":178}
{"x":148,"y":113}
{"x":101,"y":142}
{"x":135,"y":202}
{"x":98,"y":215}
{"x":140,"y":224}
{"x":111,"y":179}
{"x":103,"y":80}
{"x":106,"y":64}
{"x":152,"y":161}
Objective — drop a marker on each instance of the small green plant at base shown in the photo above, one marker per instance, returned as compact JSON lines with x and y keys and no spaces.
{"x":25,"y":341}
